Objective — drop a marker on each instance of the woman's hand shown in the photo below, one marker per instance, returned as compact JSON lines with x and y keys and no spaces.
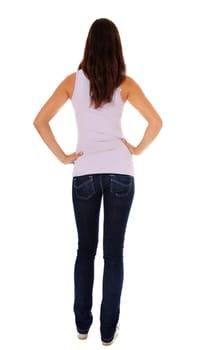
{"x":71,"y":158}
{"x":133,"y":150}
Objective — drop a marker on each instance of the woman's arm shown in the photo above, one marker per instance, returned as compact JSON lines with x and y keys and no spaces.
{"x":139,"y":101}
{"x":48,"y":111}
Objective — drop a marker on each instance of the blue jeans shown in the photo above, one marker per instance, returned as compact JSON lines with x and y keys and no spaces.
{"x":117,"y":192}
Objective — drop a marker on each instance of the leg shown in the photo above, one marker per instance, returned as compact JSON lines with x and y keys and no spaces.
{"x":86,"y":202}
{"x":117,"y":203}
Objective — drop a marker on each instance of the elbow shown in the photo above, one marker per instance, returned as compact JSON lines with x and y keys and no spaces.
{"x":36,"y":125}
{"x":158,"y":124}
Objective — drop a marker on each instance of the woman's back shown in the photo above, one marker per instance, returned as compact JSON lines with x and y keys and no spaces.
{"x":99,"y":133}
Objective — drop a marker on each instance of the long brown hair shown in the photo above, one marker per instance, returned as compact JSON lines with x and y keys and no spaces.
{"x":103,"y":61}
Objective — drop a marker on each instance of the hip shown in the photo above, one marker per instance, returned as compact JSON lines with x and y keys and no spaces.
{"x":117,"y":160}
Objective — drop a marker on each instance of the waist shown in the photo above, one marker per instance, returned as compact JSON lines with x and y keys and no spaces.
{"x":110,"y":159}
{"x":99,"y":146}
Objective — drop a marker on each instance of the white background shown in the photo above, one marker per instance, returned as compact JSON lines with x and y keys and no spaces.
{"x":163,"y":303}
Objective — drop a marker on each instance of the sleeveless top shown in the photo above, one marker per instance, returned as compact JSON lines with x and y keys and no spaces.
{"x":99,"y":133}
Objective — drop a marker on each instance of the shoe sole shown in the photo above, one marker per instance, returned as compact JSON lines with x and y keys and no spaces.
{"x":114,"y":338}
{"x":107,"y":344}
{"x":82,"y":336}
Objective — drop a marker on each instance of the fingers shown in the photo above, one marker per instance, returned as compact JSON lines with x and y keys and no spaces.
{"x":126,"y":144}
{"x":76,"y":155}
{"x":129,"y":146}
{"x":71,"y":158}
{"x":79,"y":154}
{"x":124,"y":141}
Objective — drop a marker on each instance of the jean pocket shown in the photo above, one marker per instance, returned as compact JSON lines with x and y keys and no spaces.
{"x":122,"y":185}
{"x":84,"y":186}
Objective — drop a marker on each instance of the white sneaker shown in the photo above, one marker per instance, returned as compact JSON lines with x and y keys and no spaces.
{"x":114,"y":337}
{"x":82,"y":336}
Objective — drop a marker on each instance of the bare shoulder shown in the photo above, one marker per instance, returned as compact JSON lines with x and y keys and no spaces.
{"x":128,"y":87}
{"x":132,"y":84}
{"x":137,"y":98}
{"x":68,"y":84}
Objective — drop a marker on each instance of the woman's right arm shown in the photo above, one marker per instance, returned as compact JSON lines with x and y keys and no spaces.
{"x":138,"y":100}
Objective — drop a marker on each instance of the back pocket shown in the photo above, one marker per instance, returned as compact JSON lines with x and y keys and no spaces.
{"x":122,"y":185}
{"x":84,"y":186}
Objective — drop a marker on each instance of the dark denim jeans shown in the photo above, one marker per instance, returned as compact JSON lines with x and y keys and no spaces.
{"x":117,"y":192}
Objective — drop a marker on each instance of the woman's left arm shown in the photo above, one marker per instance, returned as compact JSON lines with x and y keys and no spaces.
{"x":48,"y":111}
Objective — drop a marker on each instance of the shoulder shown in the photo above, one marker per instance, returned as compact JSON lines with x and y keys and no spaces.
{"x":130,"y":83}
{"x":69,"y":83}
{"x":128,"y":86}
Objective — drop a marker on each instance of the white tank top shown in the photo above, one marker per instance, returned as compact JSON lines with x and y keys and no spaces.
{"x":99,"y":133}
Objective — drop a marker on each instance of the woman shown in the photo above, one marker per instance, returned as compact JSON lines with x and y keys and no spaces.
{"x":103,"y":166}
